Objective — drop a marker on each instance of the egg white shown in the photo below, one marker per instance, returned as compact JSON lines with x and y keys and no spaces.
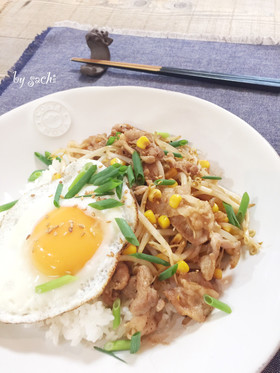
{"x":19,"y":303}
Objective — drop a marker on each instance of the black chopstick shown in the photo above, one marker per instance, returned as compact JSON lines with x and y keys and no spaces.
{"x":253,"y":82}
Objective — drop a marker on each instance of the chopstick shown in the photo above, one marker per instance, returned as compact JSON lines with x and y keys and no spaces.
{"x":252,"y":82}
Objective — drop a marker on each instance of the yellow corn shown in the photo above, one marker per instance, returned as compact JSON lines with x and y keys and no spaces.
{"x":143,"y":142}
{"x":130,"y":249}
{"x":218,"y":274}
{"x":173,"y":185}
{"x":163,"y":221}
{"x":56,"y":176}
{"x":183,"y":267}
{"x":204,"y":164}
{"x":154,"y":194}
{"x":150,"y":216}
{"x":174,"y":200}
{"x":117,"y":160}
{"x":215,"y":207}
{"x":172,"y":172}
{"x":176,"y":239}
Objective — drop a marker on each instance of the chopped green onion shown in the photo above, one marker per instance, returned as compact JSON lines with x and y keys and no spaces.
{"x":44,"y":158}
{"x":54,"y":284}
{"x":130,"y":176}
{"x":109,"y":353}
{"x":81,"y":183}
{"x":138,"y":168}
{"x":151,"y":258}
{"x":108,"y":186}
{"x":127,"y":231}
{"x":209,"y":177}
{"x":104,"y":175}
{"x":243,"y":208}
{"x":177,"y":155}
{"x":96,"y":195}
{"x":175,"y":144}
{"x":164,"y":135}
{"x":164,"y":182}
{"x":216,"y":303}
{"x":118,"y":345}
{"x":111,"y":140}
{"x":116,"y":310}
{"x":7,"y":206}
{"x":57,"y":194}
{"x":105,"y":204}
{"x":231,"y":215}
{"x":35,"y":174}
{"x":119,"y":190}
{"x":135,"y":342}
{"x":49,"y":156}
{"x":169,"y":272}
{"x":81,"y":174}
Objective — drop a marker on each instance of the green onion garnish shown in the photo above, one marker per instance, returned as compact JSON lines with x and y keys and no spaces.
{"x":106,"y":204}
{"x":54,"y":284}
{"x":118,"y":345}
{"x":164,"y":182}
{"x":81,"y":174}
{"x":177,"y":155}
{"x":116,"y":310}
{"x":175,"y":144}
{"x":243,"y":208}
{"x":130,"y":176}
{"x":138,"y":168}
{"x":164,"y":135}
{"x":96,"y":195}
{"x":108,"y":186}
{"x":127,"y":231}
{"x":44,"y":158}
{"x":104,"y":175}
{"x":119,"y":190}
{"x":231,"y":215}
{"x":109,"y":353}
{"x":169,"y":272}
{"x":216,"y":303}
{"x":7,"y":206}
{"x":49,"y":156}
{"x":57,"y":194}
{"x":35,"y":174}
{"x":151,"y":258}
{"x":111,"y":140}
{"x":209,"y":177}
{"x":81,"y":182}
{"x":135,"y":342}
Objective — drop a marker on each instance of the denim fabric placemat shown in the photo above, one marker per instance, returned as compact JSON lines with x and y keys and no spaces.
{"x":48,"y":60}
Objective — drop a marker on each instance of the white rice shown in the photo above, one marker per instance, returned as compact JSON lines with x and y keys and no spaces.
{"x":91,"y":322}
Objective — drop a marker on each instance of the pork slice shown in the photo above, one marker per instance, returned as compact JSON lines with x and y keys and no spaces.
{"x":208,"y":262}
{"x":94,"y":142}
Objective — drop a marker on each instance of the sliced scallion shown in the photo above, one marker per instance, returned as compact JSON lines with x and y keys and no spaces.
{"x":164,"y":135}
{"x":96,"y":195}
{"x":104,"y":175}
{"x":151,"y":258}
{"x":178,"y":143}
{"x":7,"y":206}
{"x":44,"y":158}
{"x":109,"y":353}
{"x":169,"y":272}
{"x":81,"y":174}
{"x":135,"y":342}
{"x":55,"y":283}
{"x":138,"y":168}
{"x":106,"y":204}
{"x":164,"y":182}
{"x":177,"y":155}
{"x":35,"y":174}
{"x":81,"y":182}
{"x":116,"y":311}
{"x":210,"y":177}
{"x":108,"y":186}
{"x":57,"y":194}
{"x":130,"y":176}
{"x":118,"y":345}
{"x":127,"y":231}
{"x":231,"y":215}
{"x":216,"y":303}
{"x":240,"y":216}
{"x":111,"y":140}
{"x":119,"y":190}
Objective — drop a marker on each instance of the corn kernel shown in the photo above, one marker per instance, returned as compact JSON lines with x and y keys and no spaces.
{"x":130,"y":249}
{"x":183,"y":267}
{"x":215,"y":207}
{"x":150,"y":216}
{"x":142,"y":142}
{"x":154,"y":194}
{"x":173,"y":185}
{"x":218,"y":274}
{"x":204,"y":164}
{"x":56,"y":176}
{"x":172,"y":172}
{"x":176,"y":239}
{"x":174,"y":201}
{"x":163,"y":221}
{"x":117,"y":160}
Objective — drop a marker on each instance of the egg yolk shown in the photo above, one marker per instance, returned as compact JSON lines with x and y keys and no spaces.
{"x":64,"y":240}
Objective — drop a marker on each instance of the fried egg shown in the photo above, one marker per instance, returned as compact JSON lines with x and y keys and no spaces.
{"x":39,"y":242}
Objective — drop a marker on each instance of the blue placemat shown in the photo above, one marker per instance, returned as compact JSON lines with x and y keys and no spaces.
{"x":45,"y":68}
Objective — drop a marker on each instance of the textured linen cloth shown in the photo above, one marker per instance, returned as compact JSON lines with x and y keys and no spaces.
{"x":50,"y":53}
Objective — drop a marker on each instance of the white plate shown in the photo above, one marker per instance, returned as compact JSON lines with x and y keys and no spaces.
{"x":241,"y":342}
